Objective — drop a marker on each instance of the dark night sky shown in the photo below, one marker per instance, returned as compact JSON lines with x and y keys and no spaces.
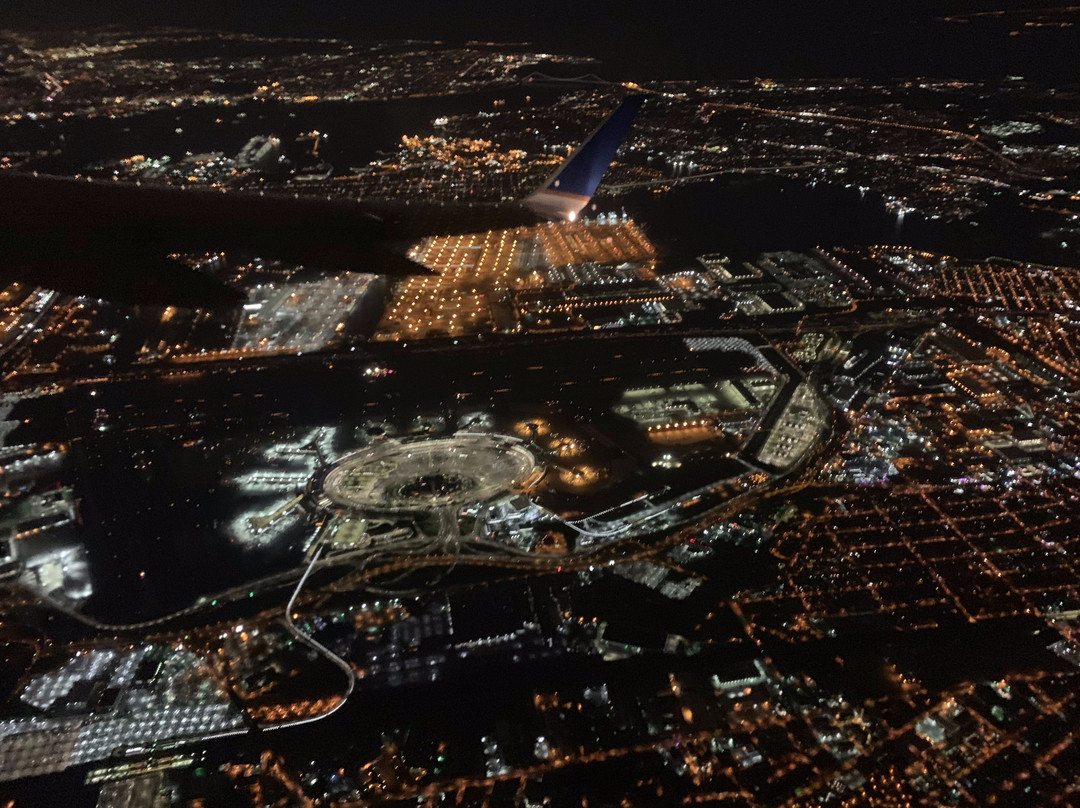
{"x":699,"y":38}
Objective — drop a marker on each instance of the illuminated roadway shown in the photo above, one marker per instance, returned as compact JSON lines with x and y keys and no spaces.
{"x":826,"y":116}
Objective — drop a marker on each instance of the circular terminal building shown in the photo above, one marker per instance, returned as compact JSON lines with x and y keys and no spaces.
{"x":409,"y":476}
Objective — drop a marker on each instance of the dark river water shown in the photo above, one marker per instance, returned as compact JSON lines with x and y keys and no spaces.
{"x":743,"y":216}
{"x":732,"y":214}
{"x":356,"y":131}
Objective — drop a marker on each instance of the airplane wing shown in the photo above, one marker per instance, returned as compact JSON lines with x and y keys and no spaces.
{"x":565,"y":193}
{"x":56,"y":226}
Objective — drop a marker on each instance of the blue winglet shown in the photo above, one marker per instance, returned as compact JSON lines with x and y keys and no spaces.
{"x":566,"y":192}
